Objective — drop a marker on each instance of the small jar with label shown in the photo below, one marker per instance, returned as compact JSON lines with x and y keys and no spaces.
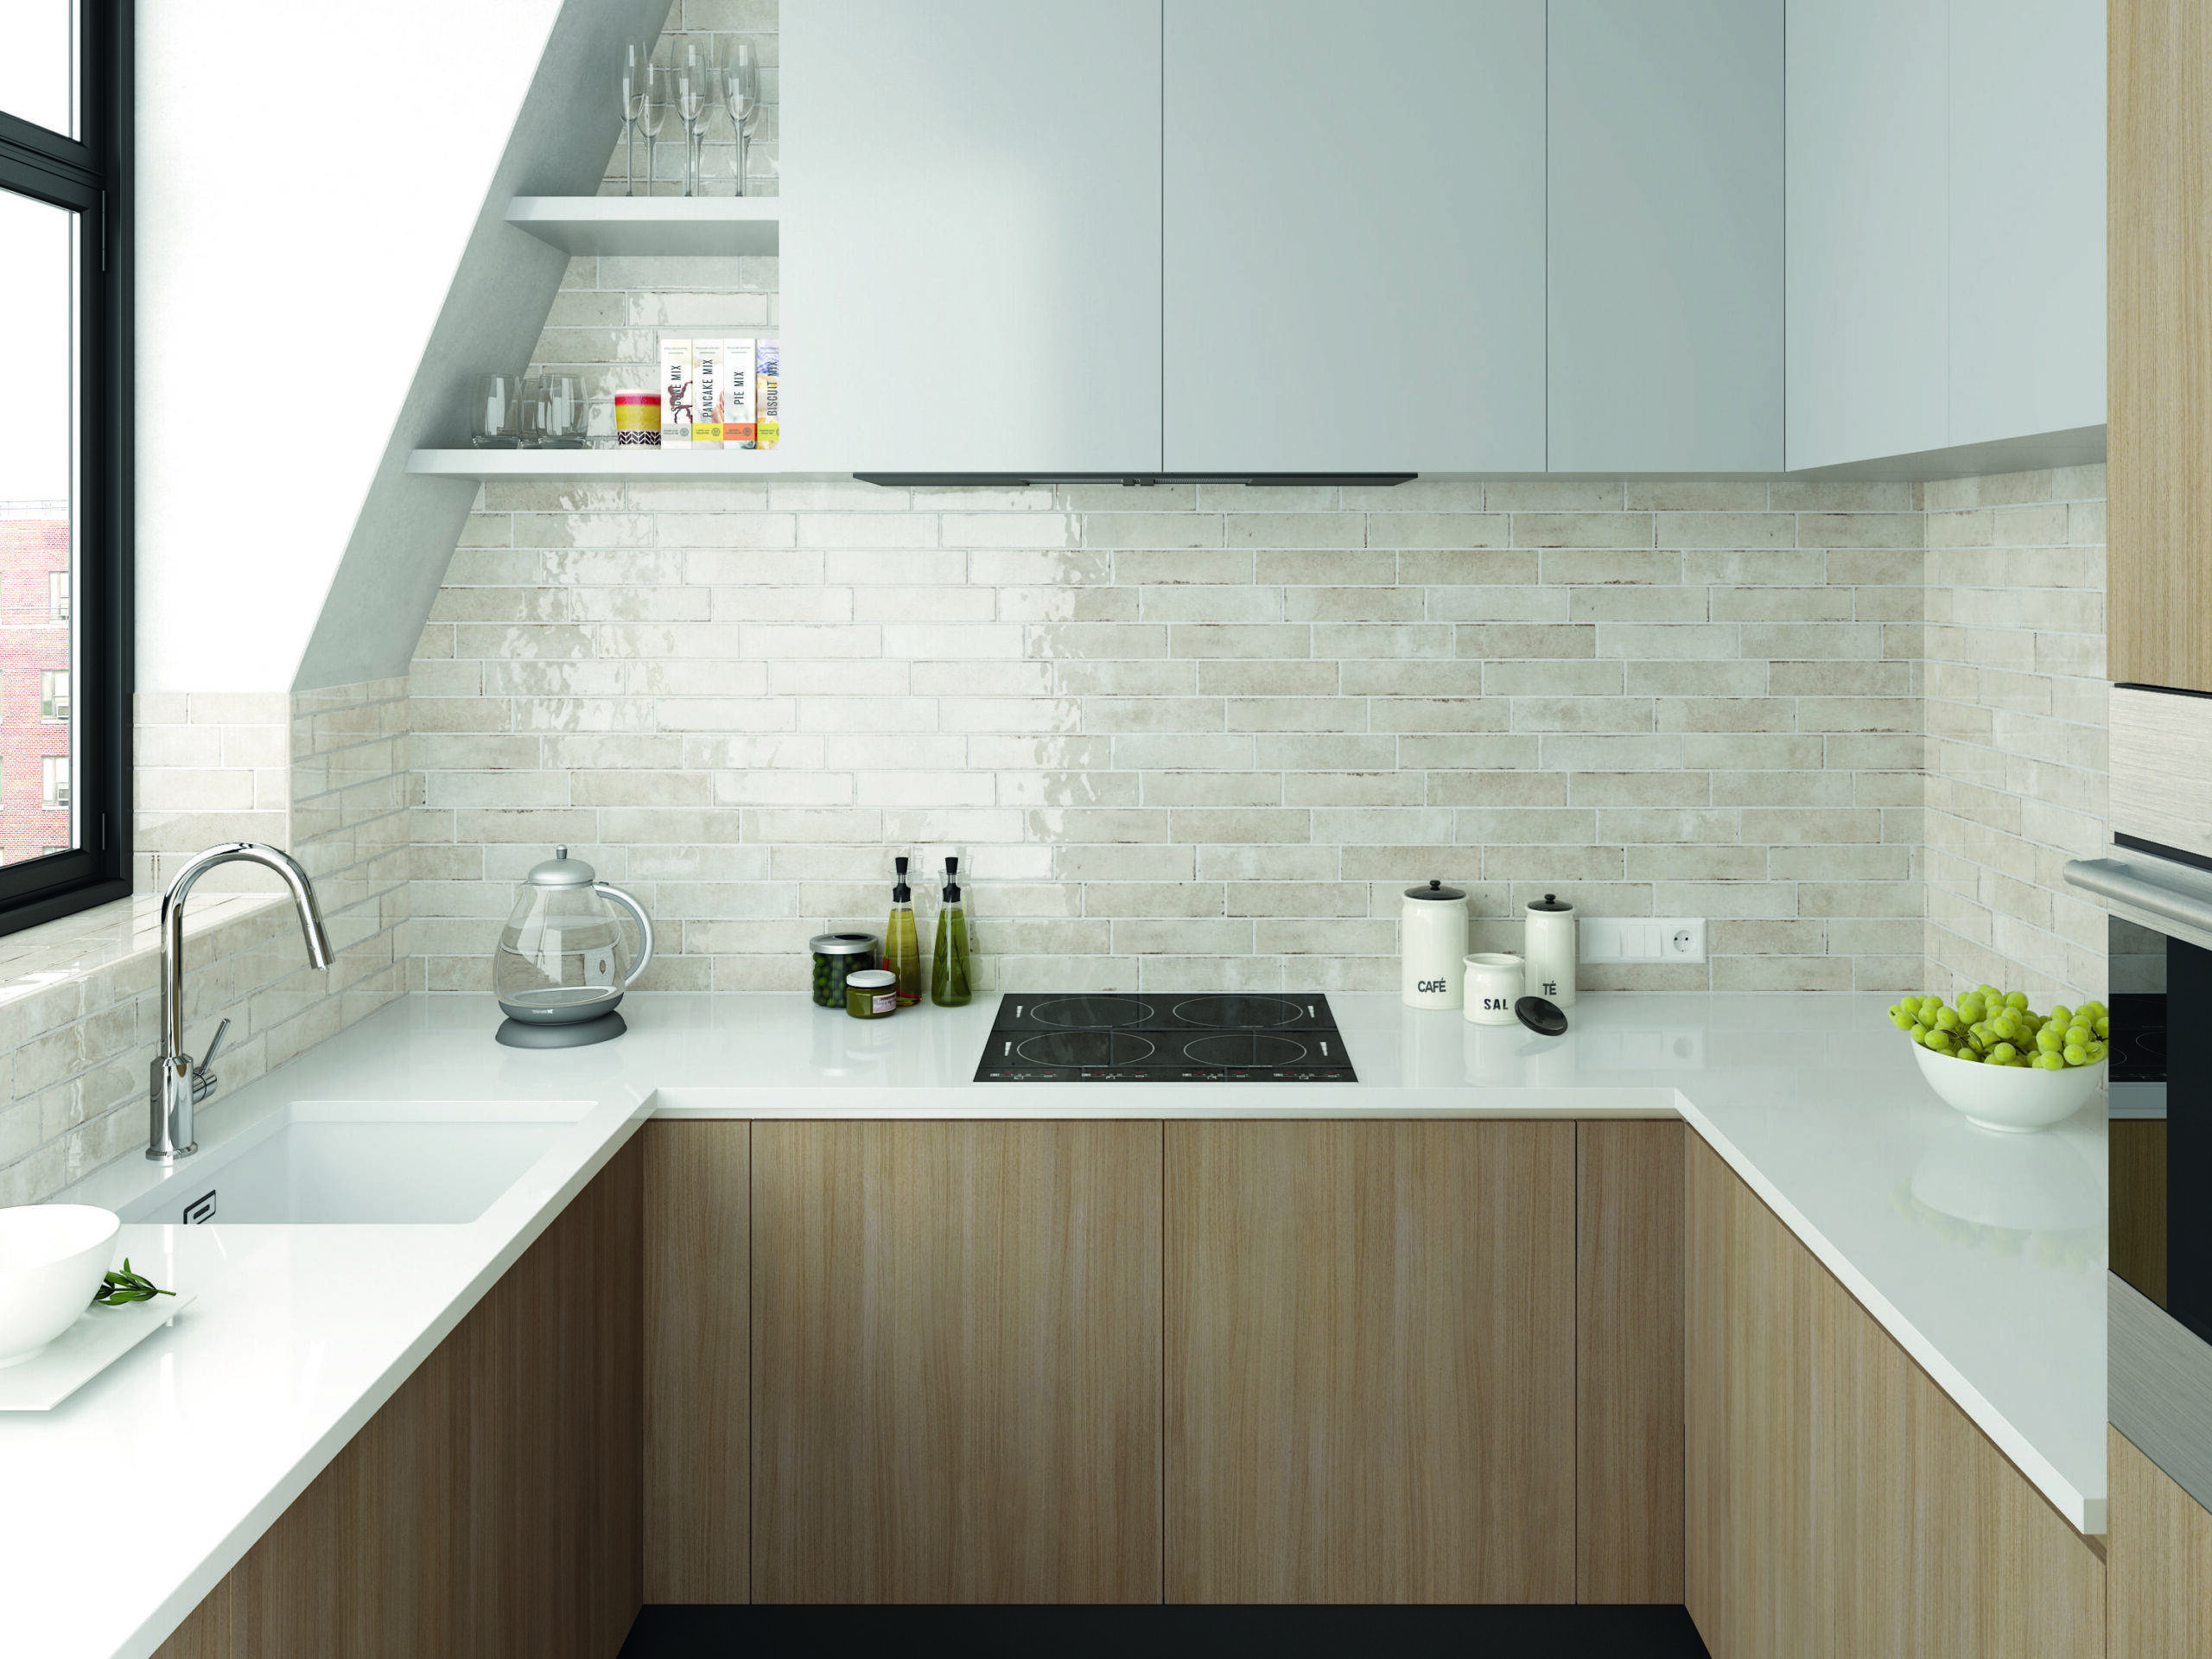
{"x":872,"y":994}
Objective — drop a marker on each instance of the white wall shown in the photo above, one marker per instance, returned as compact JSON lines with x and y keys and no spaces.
{"x":294,"y":253}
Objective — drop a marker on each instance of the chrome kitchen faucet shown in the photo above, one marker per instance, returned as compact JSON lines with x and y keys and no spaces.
{"x":177,"y":1085}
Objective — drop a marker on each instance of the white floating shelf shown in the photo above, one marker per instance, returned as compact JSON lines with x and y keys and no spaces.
{"x":779,"y":462}
{"x":713,"y":225}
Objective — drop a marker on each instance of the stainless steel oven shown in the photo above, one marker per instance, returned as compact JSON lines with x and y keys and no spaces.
{"x":2155,"y":882}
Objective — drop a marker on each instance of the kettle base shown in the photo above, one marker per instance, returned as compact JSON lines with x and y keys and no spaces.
{"x":582,"y":1034}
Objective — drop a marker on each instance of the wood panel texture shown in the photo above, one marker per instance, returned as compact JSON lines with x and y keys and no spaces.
{"x":1841,"y":1505}
{"x":493,"y":1506}
{"x":955,"y":1361}
{"x":698,"y":1491}
{"x":2160,"y":758}
{"x":2138,"y":1203}
{"x":1628,"y":1373}
{"x":2159,"y":179}
{"x":1370,"y":1362}
{"x":2159,"y":1587}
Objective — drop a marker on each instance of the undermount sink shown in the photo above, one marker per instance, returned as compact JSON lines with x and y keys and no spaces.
{"x":323,"y":1162}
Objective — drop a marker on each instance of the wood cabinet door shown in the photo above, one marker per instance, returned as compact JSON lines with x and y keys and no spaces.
{"x":2159,"y":617}
{"x":1841,"y":1505}
{"x":971,"y":262}
{"x":698,"y":1468}
{"x":2161,"y":1565}
{"x":1352,"y":240}
{"x":955,"y":1361}
{"x":1370,"y":1362}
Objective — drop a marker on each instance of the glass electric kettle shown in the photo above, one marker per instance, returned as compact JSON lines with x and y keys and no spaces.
{"x":562,"y":965}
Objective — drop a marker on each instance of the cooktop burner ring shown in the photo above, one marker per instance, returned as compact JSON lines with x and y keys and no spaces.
{"x":1236,"y":1011}
{"x":1092,"y":1013}
{"x":1243,"y":1048}
{"x":1083,"y":1049}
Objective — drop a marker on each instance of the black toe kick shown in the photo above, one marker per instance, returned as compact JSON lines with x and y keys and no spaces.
{"x":666,"y":1632}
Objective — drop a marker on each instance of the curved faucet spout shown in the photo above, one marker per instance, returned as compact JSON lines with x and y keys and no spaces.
{"x":170,"y":1102}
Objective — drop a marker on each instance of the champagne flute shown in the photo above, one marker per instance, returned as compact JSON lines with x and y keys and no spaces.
{"x":631,"y":87}
{"x":738,"y":83}
{"x":660,"y":99}
{"x":693,"y":102}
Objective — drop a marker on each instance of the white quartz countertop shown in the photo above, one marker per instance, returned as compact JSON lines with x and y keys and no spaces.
{"x":1982,"y":1254}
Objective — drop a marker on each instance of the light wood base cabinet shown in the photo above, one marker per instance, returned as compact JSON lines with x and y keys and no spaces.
{"x":491,"y":1509}
{"x":955,"y":1361}
{"x":1370,"y":1362}
{"x":2160,"y":1573}
{"x":1839,"y":1504}
{"x":698,"y":1390}
{"x":1628,"y":1374}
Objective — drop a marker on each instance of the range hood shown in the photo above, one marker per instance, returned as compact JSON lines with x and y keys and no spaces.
{"x":1134,"y":480}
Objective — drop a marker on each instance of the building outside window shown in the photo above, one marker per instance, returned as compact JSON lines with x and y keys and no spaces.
{"x":65,"y":455}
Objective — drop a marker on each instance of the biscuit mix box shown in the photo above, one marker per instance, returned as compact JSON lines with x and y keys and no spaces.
{"x":768,"y":386}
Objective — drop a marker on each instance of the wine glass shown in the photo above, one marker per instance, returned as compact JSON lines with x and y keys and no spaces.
{"x":660,"y":99}
{"x":737,"y":84}
{"x":694,"y":103}
{"x":630,"y":86}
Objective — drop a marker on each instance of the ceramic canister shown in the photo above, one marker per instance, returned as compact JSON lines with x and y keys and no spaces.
{"x":1549,"y":946}
{"x":1431,"y":945}
{"x":637,"y":419}
{"x":1494,"y":980}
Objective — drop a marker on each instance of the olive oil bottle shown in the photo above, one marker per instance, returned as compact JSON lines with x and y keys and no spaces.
{"x":902,"y":950}
{"x":949,"y":987}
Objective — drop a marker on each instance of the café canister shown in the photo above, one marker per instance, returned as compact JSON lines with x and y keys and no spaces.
{"x":1549,"y":946}
{"x":1431,"y":946}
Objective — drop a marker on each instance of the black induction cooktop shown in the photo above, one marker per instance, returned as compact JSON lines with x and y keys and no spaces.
{"x":1098,"y":1037}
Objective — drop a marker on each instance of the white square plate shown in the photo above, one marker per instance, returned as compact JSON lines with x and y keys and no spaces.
{"x":100,"y":1337}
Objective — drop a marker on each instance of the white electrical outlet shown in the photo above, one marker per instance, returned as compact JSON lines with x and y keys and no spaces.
{"x":1641,"y":939}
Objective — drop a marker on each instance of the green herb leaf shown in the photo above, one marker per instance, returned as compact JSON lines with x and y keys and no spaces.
{"x":117,"y":1287}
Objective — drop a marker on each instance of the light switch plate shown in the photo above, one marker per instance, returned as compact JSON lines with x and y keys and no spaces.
{"x":1641,"y":939}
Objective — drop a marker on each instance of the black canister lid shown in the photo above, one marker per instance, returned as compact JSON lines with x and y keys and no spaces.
{"x":1541,"y":1016}
{"x":1549,"y":901}
{"x":1435,"y":890}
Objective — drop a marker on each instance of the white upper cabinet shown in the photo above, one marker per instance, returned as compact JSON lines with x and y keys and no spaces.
{"x":1665,"y":235}
{"x":1869,"y":237}
{"x":1947,"y":224}
{"x":2027,"y":217}
{"x":971,"y":269}
{"x":1353,"y":269}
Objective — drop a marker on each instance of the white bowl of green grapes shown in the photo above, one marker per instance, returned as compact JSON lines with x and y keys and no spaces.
{"x":2001,"y":1062}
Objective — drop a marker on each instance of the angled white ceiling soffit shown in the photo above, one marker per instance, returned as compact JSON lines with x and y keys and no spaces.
{"x":318,"y":282}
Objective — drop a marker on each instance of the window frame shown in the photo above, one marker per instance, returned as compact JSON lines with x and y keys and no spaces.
{"x":93,"y":178}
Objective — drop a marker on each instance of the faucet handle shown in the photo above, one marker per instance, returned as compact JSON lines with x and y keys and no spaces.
{"x":203,"y":1080}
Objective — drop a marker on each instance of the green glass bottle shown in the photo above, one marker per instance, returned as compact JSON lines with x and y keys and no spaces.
{"x":949,"y":985}
{"x":902,"y":950}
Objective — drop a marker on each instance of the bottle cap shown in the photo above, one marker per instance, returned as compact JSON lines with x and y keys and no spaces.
{"x":900,"y":893}
{"x":952,"y":881}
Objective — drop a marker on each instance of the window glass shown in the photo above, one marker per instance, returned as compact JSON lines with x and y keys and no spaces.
{"x":57,"y":596}
{"x":54,"y":781}
{"x":39,"y":510}
{"x":38,"y":62}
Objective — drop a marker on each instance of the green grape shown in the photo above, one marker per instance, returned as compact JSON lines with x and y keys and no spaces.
{"x":1974,"y":1056}
{"x":1918,"y":1034}
{"x":2076,"y":1055}
{"x":2049,"y":1039}
{"x":1991,"y":990}
{"x":2060,"y":1013}
{"x":1902,"y":1020}
{"x":1929,"y":1005}
{"x":1940,"y":1040}
{"x":2016,"y":1000}
{"x":2004,"y":1053}
{"x":2078,"y":1033}
{"x":2104,"y":1025}
{"x":2005,"y":1027}
{"x":1971,"y":1006}
{"x":1947,"y":1019}
{"x":2049,"y":1060}
{"x":2096,"y":1052}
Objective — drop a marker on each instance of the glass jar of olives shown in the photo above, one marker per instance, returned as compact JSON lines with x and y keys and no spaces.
{"x":872,"y":994}
{"x":837,"y":957}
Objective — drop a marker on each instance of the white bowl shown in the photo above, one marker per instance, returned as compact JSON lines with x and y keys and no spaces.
{"x":53,"y":1257}
{"x":2018,"y":1099}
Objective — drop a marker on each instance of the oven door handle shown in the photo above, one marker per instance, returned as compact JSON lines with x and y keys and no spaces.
{"x":2131,"y":885}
